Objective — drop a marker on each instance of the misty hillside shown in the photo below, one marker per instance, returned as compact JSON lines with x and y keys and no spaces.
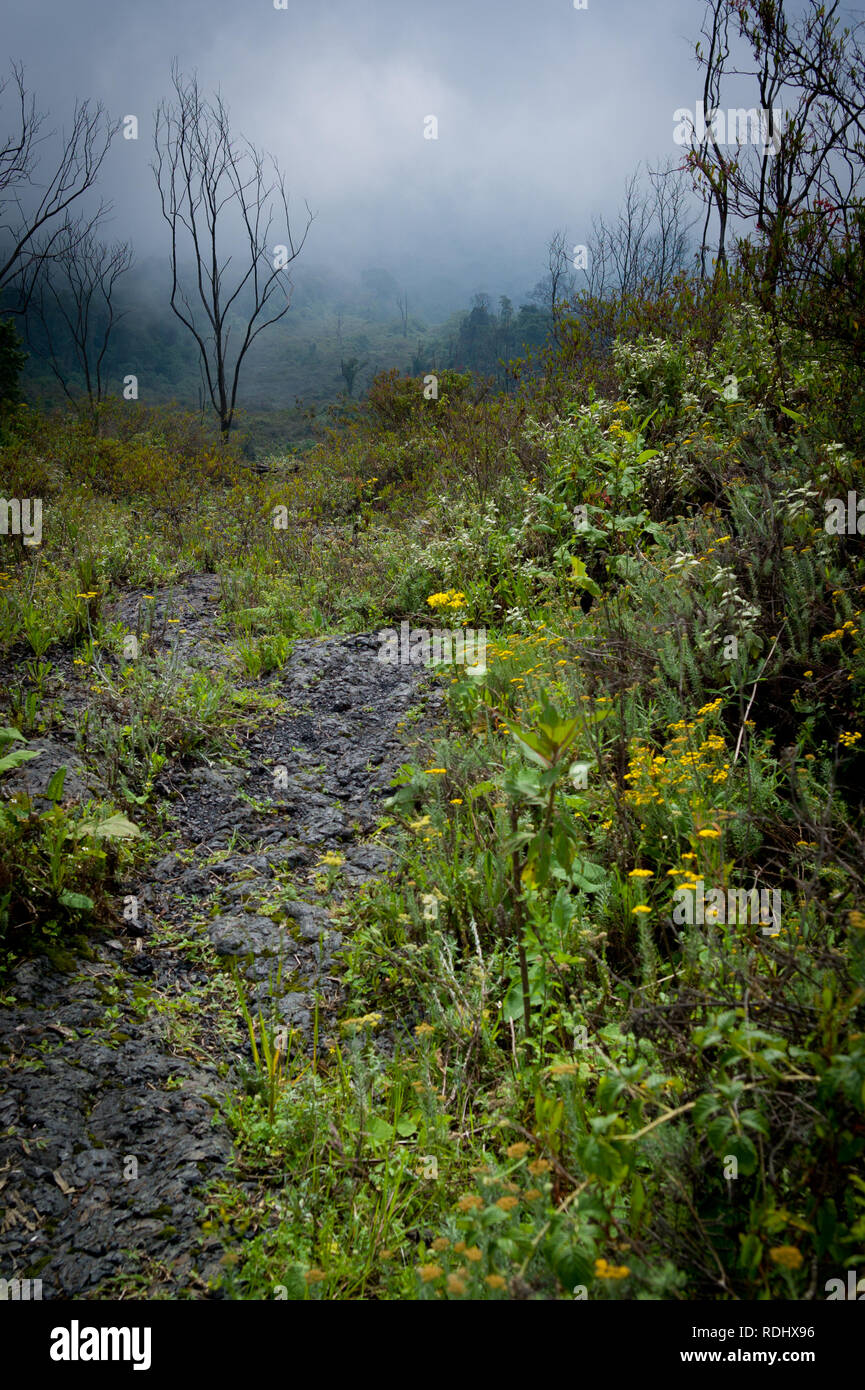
{"x":334,"y":340}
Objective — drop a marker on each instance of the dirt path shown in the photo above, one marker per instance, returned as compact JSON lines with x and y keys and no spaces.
{"x":115,"y":1067}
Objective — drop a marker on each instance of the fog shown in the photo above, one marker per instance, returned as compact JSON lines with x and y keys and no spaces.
{"x":543,"y":111}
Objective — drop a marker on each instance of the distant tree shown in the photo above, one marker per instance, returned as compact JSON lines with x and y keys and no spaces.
{"x":214,"y":192}
{"x":349,"y":367}
{"x":649,"y":240}
{"x":506,"y":321}
{"x":74,"y":304}
{"x":558,"y":286}
{"x":402,"y":305}
{"x":34,"y":200}
{"x":12,"y":359}
{"x":531,"y":327}
{"x":475,"y":345}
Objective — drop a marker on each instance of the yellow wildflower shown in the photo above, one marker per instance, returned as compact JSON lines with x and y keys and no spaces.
{"x":603,"y":1270}
{"x":787,"y":1256}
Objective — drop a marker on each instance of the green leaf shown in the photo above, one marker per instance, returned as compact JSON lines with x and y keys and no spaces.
{"x":752,"y":1119}
{"x":54,"y":790}
{"x":76,"y":902}
{"x":610,"y":1089}
{"x":579,"y":577}
{"x":533,"y":745}
{"x":600,"y":1160}
{"x":379,"y":1131}
{"x":704,"y":1106}
{"x":570,"y":1265}
{"x":638,"y":1199}
{"x":19,"y":756}
{"x":626,"y":567}
{"x":718,"y":1133}
{"x":740,"y":1147}
{"x":560,"y":733}
{"x":751,"y":1252}
{"x":588,"y":876}
{"x":116,"y":827}
{"x":526,"y":784}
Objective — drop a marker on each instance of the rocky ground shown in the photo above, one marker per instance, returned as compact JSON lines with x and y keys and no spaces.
{"x":117,"y":1060}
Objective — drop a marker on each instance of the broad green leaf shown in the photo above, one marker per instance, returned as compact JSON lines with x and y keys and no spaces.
{"x":752,"y":1119}
{"x":704,"y":1106}
{"x":588,"y":876}
{"x":718,"y":1133}
{"x":533,"y":745}
{"x":560,"y":734}
{"x":116,"y":827}
{"x":740,"y":1147}
{"x":570,"y":1265}
{"x":77,"y":902}
{"x":579,"y":577}
{"x":54,"y":790}
{"x":379,"y":1131}
{"x":19,"y":756}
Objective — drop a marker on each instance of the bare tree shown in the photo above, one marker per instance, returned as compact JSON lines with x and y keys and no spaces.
{"x":649,"y":240}
{"x":402,"y":305}
{"x":710,"y":166}
{"x":214,"y":192}
{"x":558,"y":286}
{"x":35,"y":202}
{"x":807,"y":77}
{"x":74,"y":300}
{"x":349,"y":368}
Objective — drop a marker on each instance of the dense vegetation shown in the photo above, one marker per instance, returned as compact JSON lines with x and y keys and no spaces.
{"x":549,"y":1076}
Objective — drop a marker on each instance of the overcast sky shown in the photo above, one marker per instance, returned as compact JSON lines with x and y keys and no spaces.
{"x":543,"y":112}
